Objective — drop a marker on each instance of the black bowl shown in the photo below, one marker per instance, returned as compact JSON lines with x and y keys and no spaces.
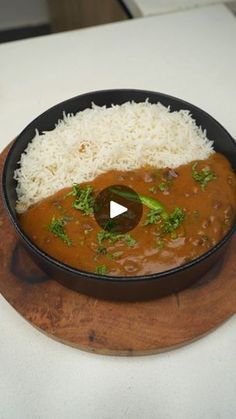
{"x":111,"y":287}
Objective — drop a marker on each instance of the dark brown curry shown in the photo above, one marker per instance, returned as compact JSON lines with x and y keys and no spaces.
{"x":199,"y":199}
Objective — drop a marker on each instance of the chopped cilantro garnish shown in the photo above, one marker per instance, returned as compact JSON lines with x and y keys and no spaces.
{"x":163,"y":186}
{"x":114,"y":237}
{"x":84,"y":201}
{"x":114,"y":255}
{"x":101,"y":250}
{"x":169,"y":223}
{"x":57,"y":227}
{"x":153,"y":216}
{"x":174,"y":220}
{"x":101,"y":269}
{"x":203,"y":176}
{"x":129,"y":240}
{"x":103,"y":235}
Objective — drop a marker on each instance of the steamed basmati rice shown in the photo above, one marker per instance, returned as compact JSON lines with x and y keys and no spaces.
{"x":99,"y":139}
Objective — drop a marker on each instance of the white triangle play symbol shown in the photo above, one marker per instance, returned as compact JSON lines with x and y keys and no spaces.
{"x":116,"y":209}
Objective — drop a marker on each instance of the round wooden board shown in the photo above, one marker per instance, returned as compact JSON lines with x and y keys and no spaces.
{"x":108,"y":327}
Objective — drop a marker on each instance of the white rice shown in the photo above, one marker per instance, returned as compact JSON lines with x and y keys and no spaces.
{"x":99,"y":139}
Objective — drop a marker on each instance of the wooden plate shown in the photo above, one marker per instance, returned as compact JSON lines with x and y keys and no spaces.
{"x":108,"y":327}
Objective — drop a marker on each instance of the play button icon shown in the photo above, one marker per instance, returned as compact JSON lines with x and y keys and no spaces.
{"x":118,"y":209}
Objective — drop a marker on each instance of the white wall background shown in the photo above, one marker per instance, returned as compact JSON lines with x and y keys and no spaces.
{"x":17,"y":13}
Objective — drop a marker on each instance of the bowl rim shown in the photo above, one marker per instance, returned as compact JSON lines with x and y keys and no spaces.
{"x":92,"y":275}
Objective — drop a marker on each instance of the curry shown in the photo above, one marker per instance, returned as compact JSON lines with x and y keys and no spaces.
{"x":195,"y":208}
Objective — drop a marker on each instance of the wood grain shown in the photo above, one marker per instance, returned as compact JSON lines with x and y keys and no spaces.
{"x":73,"y":14}
{"x":107,"y":327}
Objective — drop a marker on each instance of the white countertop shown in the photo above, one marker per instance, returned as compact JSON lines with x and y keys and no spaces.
{"x":140,"y":8}
{"x":191,"y":55}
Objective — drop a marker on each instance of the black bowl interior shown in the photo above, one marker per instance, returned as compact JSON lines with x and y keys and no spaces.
{"x":223,"y":143}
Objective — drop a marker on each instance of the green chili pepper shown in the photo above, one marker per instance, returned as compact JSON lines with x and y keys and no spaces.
{"x":145,"y":200}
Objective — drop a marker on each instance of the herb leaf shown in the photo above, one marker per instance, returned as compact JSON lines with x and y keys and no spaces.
{"x":174,"y":220}
{"x":84,"y":201}
{"x":101,"y":250}
{"x":129,"y":240}
{"x":203,"y":176}
{"x":57,"y":227}
{"x":101,"y":269}
{"x":114,"y":237}
{"x":169,"y":223}
{"x":153,"y":217}
{"x":163,"y":186}
{"x":103,"y":235}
